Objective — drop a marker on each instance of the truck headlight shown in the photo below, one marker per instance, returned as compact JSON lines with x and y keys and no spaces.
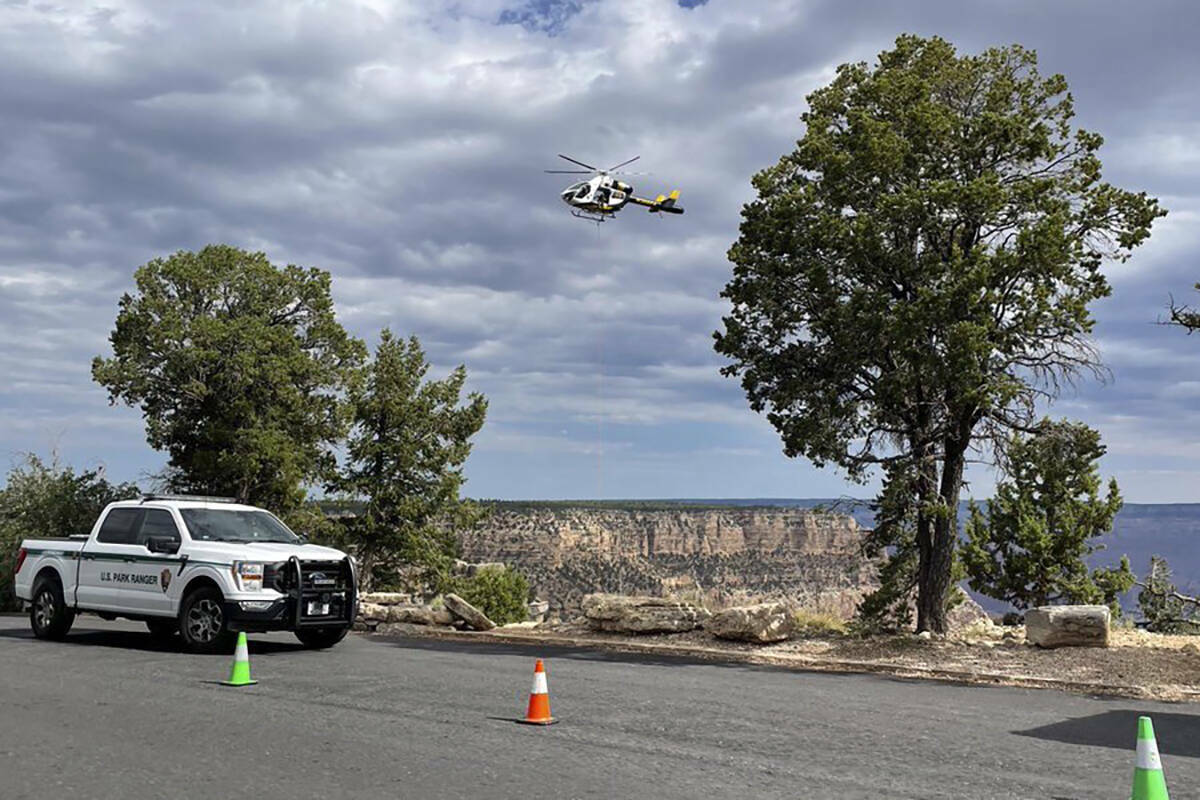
{"x":255,"y":605}
{"x":248,"y":575}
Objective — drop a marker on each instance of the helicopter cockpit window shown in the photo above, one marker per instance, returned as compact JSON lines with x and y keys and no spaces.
{"x":583,"y":191}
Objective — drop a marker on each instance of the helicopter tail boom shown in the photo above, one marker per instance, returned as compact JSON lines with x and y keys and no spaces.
{"x":661,"y":203}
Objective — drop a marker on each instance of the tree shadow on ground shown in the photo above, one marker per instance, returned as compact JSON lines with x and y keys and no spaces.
{"x":580,"y":653}
{"x":142,"y":641}
{"x":542,"y":650}
{"x":1177,"y":734}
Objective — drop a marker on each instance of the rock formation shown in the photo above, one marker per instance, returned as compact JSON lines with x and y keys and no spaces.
{"x":619,"y":614}
{"x":1067,"y":626}
{"x":469,"y":614}
{"x":712,"y":555}
{"x":761,"y":623}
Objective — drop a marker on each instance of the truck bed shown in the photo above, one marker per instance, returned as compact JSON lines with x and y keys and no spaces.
{"x":61,"y":543}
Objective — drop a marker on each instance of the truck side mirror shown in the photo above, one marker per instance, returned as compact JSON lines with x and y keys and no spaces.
{"x":162,"y":544}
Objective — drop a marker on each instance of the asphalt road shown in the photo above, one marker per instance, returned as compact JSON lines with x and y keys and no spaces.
{"x":108,"y":713}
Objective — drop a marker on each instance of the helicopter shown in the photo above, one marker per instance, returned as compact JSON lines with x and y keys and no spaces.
{"x":602,"y":196}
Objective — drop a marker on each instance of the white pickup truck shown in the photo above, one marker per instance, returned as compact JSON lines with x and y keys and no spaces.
{"x":204,"y":568}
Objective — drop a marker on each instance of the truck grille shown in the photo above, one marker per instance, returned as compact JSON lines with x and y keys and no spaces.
{"x":318,"y":576}
{"x":325,"y":593}
{"x":325,"y":576}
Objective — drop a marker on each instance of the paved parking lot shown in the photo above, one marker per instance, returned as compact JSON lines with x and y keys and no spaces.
{"x":109,"y":713}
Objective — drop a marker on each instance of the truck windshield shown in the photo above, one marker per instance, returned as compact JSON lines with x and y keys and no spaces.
{"x":235,"y":525}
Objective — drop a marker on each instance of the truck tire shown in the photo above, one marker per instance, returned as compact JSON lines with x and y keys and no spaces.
{"x":48,"y":614}
{"x":202,"y":624}
{"x":162,"y":629}
{"x":321,"y":638}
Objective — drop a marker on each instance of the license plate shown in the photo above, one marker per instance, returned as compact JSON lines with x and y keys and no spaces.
{"x":316,"y":609}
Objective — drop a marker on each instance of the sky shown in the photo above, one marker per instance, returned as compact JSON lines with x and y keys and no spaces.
{"x":400,"y":145}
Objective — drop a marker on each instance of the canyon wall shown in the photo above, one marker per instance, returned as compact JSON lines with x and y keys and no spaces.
{"x":723,"y":556}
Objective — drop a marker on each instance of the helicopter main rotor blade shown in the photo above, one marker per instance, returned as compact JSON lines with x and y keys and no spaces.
{"x":623,"y":163}
{"x":580,"y":163}
{"x":568,"y":171}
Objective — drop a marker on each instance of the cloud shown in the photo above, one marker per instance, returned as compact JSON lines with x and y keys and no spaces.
{"x":401,"y":146}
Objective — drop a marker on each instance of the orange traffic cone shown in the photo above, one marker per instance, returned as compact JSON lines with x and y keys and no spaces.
{"x":539,"y":699}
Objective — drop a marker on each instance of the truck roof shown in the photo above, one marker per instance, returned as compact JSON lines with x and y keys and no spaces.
{"x":185,"y":502}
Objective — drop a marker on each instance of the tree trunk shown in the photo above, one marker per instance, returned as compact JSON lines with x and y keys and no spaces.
{"x":936,"y":561}
{"x":926,"y":483}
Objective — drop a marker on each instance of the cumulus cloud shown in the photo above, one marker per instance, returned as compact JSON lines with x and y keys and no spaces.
{"x":400,"y":145}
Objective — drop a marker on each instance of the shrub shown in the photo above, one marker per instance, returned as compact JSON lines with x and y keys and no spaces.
{"x":502,"y":594}
{"x":818,"y":623}
{"x":46,"y":499}
{"x":1164,"y":609}
{"x":1031,"y":545}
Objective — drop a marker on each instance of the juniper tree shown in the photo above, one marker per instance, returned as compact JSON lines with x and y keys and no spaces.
{"x":1029,"y":547}
{"x":917,"y":273}
{"x":238,"y":367}
{"x":405,"y":456}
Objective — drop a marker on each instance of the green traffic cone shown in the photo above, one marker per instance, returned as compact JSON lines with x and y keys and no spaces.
{"x":1148,"y":780}
{"x":239,"y":673}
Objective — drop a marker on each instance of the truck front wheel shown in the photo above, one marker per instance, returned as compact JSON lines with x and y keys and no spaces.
{"x":321,"y":638}
{"x":49,"y":615}
{"x":202,"y":624}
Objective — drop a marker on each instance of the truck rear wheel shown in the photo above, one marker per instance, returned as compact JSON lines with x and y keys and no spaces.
{"x":202,"y":623}
{"x":49,"y":616}
{"x":321,"y":638}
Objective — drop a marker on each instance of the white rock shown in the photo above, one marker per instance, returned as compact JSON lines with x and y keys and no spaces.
{"x":386,"y":598}
{"x":468,"y":613}
{"x":621,"y":614}
{"x":1067,"y":626}
{"x":764,"y":622}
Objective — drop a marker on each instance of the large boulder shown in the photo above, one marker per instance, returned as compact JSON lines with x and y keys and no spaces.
{"x":409,"y":629}
{"x":386,"y":598}
{"x":469,"y":614}
{"x":1067,"y":626}
{"x":375,"y":613}
{"x":968,"y":615}
{"x":764,"y":622}
{"x":416,"y":615}
{"x":620,"y":614}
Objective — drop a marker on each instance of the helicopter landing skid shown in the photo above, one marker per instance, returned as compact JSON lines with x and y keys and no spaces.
{"x":596,"y":218}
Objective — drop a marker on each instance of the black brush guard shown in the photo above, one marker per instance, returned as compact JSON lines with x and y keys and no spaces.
{"x":332,"y":583}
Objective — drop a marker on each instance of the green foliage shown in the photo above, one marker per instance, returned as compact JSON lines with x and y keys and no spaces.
{"x":237,"y":366}
{"x":892,"y":542}
{"x":916,"y":274}
{"x":818,"y":623}
{"x":310,"y":520}
{"x":1163,"y":608}
{"x":501,"y":594}
{"x":1029,"y":548}
{"x":42,"y":500}
{"x":405,"y":454}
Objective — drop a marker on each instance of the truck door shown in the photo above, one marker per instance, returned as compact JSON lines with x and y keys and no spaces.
{"x":103,"y":555}
{"x":151,"y":574}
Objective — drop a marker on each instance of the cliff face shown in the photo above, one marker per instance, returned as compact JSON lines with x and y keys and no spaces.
{"x":721,"y":556}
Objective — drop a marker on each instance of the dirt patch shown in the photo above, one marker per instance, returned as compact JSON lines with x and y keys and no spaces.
{"x":1137,"y":665}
